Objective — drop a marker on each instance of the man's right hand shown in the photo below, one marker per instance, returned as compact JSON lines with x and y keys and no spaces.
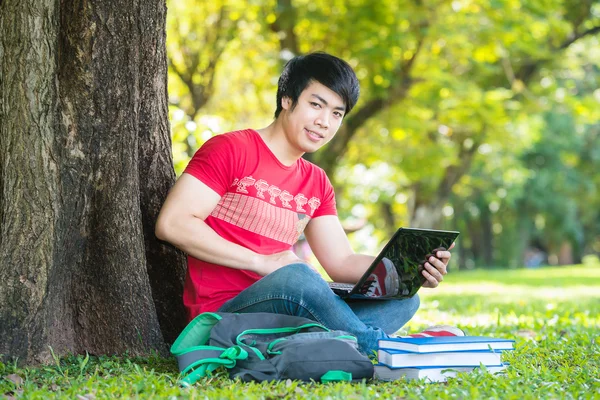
{"x":266,"y":264}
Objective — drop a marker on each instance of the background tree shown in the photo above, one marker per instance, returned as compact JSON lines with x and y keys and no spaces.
{"x":196,"y":48}
{"x":216,"y":61}
{"x":85,"y":164}
{"x":453,"y":96}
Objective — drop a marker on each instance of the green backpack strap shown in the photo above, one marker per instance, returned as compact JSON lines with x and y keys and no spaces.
{"x":196,"y":333}
{"x":202,"y":360}
{"x":241,"y":339}
{"x":336,"y":376}
{"x":194,"y":357}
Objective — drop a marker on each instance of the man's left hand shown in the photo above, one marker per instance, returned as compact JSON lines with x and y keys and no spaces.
{"x":436,"y":267}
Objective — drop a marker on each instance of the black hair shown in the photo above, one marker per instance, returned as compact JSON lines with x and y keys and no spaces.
{"x":324,"y":68}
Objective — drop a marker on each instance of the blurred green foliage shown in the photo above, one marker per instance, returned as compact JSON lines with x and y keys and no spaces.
{"x":476,"y":115}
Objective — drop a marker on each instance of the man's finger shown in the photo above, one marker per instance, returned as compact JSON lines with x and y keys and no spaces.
{"x":439,"y":265}
{"x":431,"y":281}
{"x":443,"y":254}
{"x":435,"y":272}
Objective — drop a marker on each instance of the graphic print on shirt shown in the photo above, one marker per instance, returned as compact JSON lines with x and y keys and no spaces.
{"x":285,"y":197}
{"x":239,"y":207}
{"x":247,"y":181}
{"x":314,"y":203}
{"x":274,"y":192}
{"x":261,"y":186}
{"x":300,"y":200}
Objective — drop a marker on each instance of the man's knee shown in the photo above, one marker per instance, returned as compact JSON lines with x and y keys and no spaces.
{"x":407,"y":309}
{"x":296,"y":271}
{"x":300,"y":277}
{"x":414,"y":303}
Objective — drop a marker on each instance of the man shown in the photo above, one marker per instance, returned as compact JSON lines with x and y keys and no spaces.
{"x":246,"y":197}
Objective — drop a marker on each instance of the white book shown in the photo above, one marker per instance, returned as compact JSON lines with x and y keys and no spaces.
{"x":431,"y":374}
{"x":400,"y":358}
{"x":446,"y":343}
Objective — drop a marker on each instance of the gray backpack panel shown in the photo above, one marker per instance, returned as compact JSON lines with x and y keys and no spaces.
{"x":267,"y":347}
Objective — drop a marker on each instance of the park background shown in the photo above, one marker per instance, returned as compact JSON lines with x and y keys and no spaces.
{"x":475,"y":115}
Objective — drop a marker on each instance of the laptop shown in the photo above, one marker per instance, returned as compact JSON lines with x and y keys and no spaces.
{"x":397,"y":270}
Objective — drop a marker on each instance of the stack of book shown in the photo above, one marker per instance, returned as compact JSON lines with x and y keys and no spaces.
{"x":438,"y":358}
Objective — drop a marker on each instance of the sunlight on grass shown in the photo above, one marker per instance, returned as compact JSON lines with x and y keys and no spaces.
{"x":512,"y":298}
{"x":552,"y":313}
{"x":512,"y":293}
{"x":555,"y":276}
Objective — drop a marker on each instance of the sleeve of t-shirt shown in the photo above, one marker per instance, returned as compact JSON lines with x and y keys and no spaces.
{"x":213,"y":164}
{"x":328,"y":206}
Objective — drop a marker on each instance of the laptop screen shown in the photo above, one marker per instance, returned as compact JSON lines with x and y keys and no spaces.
{"x":397,"y":270}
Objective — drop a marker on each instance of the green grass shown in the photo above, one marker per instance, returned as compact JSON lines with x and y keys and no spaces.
{"x":552,"y":313}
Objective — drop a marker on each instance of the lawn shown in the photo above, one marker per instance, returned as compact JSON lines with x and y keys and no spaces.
{"x":552,"y":313}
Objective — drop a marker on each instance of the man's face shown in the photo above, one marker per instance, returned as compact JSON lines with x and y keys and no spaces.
{"x":315,"y":119}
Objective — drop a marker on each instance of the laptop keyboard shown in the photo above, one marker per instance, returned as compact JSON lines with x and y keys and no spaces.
{"x":343,"y":286}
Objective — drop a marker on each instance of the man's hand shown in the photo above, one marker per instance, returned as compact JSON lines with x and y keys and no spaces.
{"x":270,"y":263}
{"x":436,"y":267}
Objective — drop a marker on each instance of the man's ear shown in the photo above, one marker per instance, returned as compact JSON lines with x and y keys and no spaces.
{"x":286,"y":103}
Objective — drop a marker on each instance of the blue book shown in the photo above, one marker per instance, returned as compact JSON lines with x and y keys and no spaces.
{"x":430,"y":374}
{"x":400,"y":358}
{"x":446,"y":343}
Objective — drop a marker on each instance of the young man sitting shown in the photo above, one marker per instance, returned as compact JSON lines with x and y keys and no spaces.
{"x":247,"y":196}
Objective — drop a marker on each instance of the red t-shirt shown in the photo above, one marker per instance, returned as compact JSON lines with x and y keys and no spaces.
{"x":264,"y":207}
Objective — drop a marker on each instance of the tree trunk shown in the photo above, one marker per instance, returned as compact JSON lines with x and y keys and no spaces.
{"x":428,"y":216}
{"x":426,"y":207}
{"x":565,"y":253}
{"x":477,"y":241}
{"x":165,"y":264}
{"x":390,"y":219}
{"x":84,"y":166}
{"x":487,"y":234}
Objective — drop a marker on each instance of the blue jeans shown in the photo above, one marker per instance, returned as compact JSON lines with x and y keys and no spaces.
{"x":298,"y":290}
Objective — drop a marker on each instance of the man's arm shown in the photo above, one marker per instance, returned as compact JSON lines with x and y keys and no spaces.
{"x":181,"y":222}
{"x":330,"y":245}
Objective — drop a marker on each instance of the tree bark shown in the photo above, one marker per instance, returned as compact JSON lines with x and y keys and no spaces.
{"x":164,"y":263}
{"x":85,"y":164}
{"x":287,"y":17}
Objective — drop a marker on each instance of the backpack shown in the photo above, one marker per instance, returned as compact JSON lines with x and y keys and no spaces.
{"x":267,"y":347}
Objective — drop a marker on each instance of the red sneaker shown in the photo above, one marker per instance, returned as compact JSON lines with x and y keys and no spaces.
{"x":439,"y":330}
{"x":383,"y":280}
